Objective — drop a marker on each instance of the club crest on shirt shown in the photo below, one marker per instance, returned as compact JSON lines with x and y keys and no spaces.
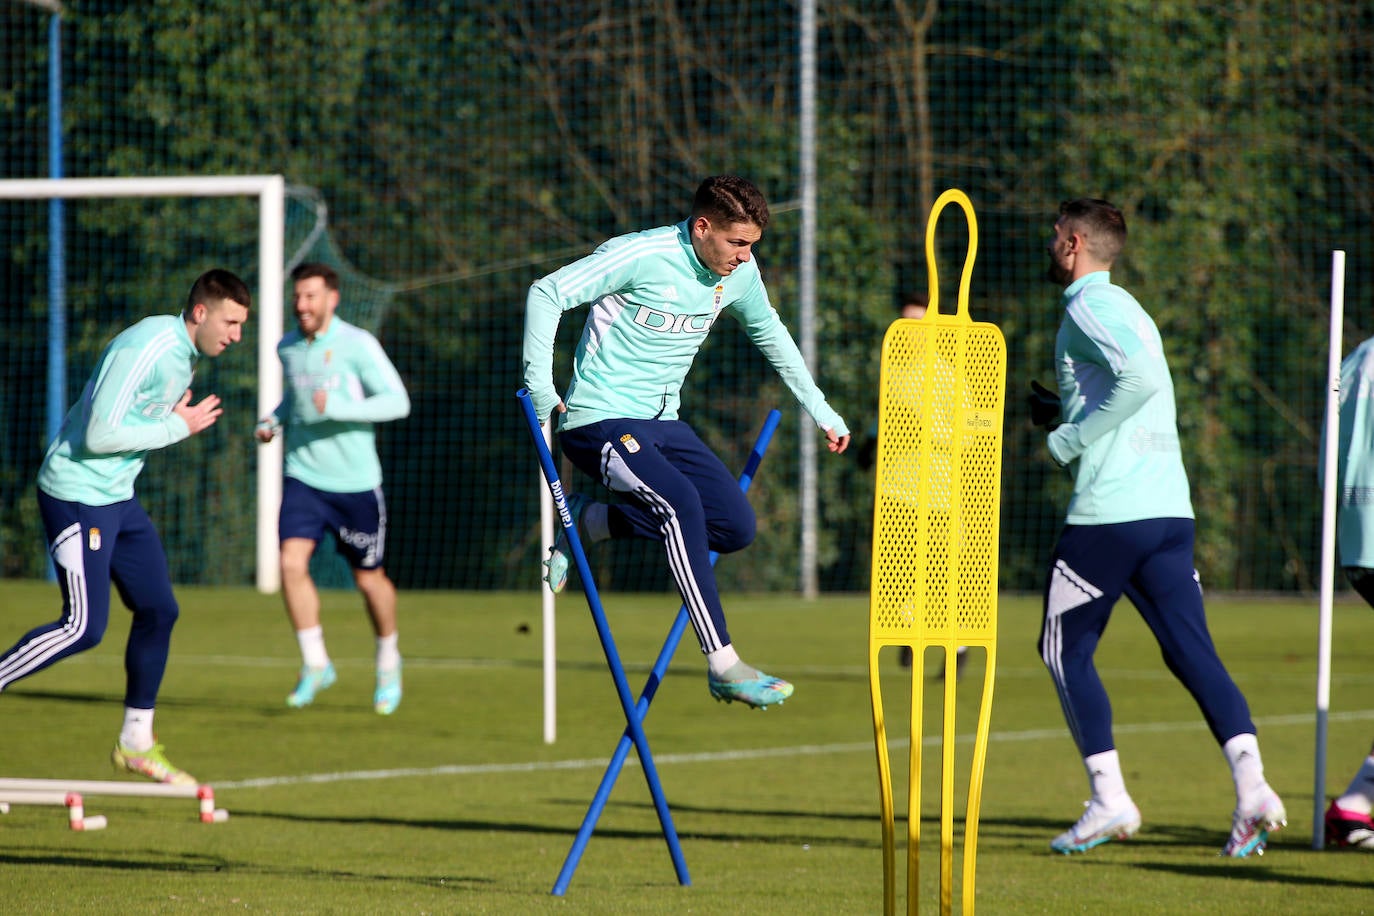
{"x":629,"y":442}
{"x":93,"y":538}
{"x":719,"y":296}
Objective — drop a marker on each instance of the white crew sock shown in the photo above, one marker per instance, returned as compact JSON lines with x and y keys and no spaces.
{"x":1104,"y":775}
{"x":722,"y":660}
{"x":1247,"y":769}
{"x":137,"y":733}
{"x":1359,"y":797}
{"x":388,"y":656}
{"x":311,"y":641}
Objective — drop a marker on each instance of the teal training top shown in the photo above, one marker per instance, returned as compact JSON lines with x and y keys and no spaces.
{"x":1120,"y":435}
{"x":1355,"y":459}
{"x":124,"y":412}
{"x":652,"y":304}
{"x":337,"y":451}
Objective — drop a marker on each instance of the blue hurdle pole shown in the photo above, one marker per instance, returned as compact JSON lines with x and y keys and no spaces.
{"x":660,"y":668}
{"x":603,"y":632}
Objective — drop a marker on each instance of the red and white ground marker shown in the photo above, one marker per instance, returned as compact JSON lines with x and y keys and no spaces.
{"x":72,"y":793}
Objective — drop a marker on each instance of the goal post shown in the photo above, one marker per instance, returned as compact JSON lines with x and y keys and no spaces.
{"x":270,"y":190}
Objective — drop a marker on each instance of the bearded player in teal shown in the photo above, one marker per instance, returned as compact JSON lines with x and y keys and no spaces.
{"x":654,"y":297}
{"x":339,"y":383}
{"x":1129,"y":530}
{"x":138,"y":399}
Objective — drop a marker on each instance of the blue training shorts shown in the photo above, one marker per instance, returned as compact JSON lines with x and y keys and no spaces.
{"x":357,"y":520}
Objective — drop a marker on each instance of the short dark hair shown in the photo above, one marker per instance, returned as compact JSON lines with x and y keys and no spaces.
{"x":1102,"y":225}
{"x":315,"y":269}
{"x":914,"y":297}
{"x":215,"y":286}
{"x":730,"y":199}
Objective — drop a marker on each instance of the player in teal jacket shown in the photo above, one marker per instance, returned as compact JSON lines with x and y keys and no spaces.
{"x":137,"y":400}
{"x":338,"y":384}
{"x":654,"y":296}
{"x":1128,"y":530}
{"x":1348,"y":817}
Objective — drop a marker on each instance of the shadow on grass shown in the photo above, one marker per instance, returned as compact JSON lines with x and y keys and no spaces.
{"x":1031,"y":834}
{"x":20,"y":694}
{"x":113,"y":698}
{"x":190,"y":864}
{"x":1258,"y":874}
{"x":602,"y":829}
{"x":113,"y":861}
{"x":1165,"y":839}
{"x":456,"y":824}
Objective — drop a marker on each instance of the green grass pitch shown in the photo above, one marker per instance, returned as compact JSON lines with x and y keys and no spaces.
{"x":457,"y":805}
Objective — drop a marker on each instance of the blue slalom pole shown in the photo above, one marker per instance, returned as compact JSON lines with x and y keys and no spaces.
{"x":660,"y":668}
{"x":603,"y":632}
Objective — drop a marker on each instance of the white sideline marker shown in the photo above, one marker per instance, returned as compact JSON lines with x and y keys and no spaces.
{"x":69,"y":792}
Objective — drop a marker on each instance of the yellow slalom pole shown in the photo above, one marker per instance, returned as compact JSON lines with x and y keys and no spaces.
{"x":935,"y":544}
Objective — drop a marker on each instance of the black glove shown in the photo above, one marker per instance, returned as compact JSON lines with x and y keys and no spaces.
{"x":867,"y":453}
{"x":1044,"y":406}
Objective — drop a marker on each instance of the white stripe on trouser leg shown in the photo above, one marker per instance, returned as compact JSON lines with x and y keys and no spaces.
{"x":617,"y":476}
{"x":681,"y":568}
{"x":377,"y":546}
{"x":27,"y":658}
{"x":381,"y":523}
{"x":1068,"y":590}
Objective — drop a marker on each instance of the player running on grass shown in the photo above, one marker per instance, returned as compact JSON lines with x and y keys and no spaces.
{"x":1129,"y":530}
{"x":339,"y":383}
{"x":1348,"y":821}
{"x":138,"y":399}
{"x":654,"y":297}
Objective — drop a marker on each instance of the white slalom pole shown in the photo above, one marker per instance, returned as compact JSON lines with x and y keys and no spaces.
{"x":1330,"y":483}
{"x":550,"y":643}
